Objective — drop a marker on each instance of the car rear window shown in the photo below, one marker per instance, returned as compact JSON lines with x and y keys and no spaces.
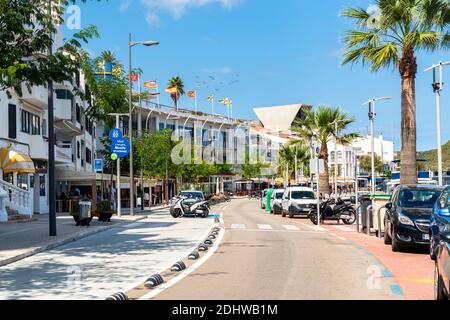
{"x":193,"y":195}
{"x":411,"y":198}
{"x":303,"y":195}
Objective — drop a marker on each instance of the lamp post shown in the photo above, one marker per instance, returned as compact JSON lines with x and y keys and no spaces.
{"x":372,"y":116}
{"x":130,"y":125}
{"x":335,"y":123}
{"x":437,"y":88}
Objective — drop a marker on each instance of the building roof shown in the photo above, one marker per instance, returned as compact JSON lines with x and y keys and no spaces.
{"x":280,"y":118}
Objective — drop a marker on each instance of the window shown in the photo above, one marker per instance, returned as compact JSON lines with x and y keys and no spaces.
{"x":332,"y":156}
{"x":78,"y":150}
{"x":78,"y":113}
{"x":88,"y":156}
{"x":30,"y":123}
{"x":63,"y":94}
{"x":418,"y":198}
{"x":12,"y":121}
{"x":303,"y":195}
{"x":42,"y":190}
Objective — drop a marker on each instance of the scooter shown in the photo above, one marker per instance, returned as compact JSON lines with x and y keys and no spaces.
{"x":182,"y":208}
{"x":341,"y":211}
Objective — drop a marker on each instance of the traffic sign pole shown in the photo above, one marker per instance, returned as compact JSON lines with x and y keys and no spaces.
{"x":119,"y":200}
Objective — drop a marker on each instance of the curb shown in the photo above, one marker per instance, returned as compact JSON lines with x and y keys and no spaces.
{"x":64,"y":241}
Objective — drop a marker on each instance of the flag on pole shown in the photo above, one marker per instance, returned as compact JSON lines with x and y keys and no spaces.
{"x":192,"y":94}
{"x":134,"y":77}
{"x":151,"y":84}
{"x":210,"y":98}
{"x":172,"y":90}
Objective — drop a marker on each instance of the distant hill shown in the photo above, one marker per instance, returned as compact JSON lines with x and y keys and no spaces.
{"x":431,"y":156}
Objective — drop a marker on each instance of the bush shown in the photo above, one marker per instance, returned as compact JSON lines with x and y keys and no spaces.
{"x":104,"y":206}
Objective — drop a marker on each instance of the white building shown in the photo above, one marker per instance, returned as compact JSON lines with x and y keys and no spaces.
{"x":24,"y":131}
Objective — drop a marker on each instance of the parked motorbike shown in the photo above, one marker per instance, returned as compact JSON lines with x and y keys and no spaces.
{"x":341,"y":210}
{"x":190,"y":207}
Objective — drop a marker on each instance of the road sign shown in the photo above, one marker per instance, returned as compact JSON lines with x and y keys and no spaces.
{"x":313,"y":166}
{"x":120,"y":147}
{"x":115,"y":134}
{"x":98,"y":165}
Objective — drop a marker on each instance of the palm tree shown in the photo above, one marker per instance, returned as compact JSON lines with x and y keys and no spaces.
{"x":286,"y":157}
{"x":176,"y":82}
{"x":320,"y":126}
{"x":389,"y":37}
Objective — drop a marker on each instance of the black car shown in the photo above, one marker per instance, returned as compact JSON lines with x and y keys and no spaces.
{"x":442,"y":269}
{"x":407,"y":219}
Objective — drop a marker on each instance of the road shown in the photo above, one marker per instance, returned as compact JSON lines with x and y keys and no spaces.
{"x":268,"y":257}
{"x":106,"y":263}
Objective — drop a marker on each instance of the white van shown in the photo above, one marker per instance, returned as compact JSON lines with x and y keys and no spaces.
{"x":276,"y":203}
{"x":298,"y":201}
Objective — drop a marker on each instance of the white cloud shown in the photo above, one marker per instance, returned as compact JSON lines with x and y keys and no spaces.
{"x":125,"y":5}
{"x":177,"y":8}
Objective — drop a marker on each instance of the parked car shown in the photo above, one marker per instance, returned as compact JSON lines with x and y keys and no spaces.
{"x":276,"y":203}
{"x":442,"y":267}
{"x":440,"y":221}
{"x":408,"y":216}
{"x":298,"y":201}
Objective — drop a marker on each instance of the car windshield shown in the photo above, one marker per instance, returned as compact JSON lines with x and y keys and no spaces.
{"x":303,"y":195}
{"x":279,"y":195}
{"x":411,"y":198}
{"x":192,"y":195}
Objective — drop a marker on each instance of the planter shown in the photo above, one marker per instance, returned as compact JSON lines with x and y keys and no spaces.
{"x":105,"y":216}
{"x":83,"y":222}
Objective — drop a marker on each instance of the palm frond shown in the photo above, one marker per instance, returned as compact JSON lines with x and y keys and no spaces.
{"x":385,"y":55}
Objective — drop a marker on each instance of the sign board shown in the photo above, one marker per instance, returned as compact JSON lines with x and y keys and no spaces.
{"x":98,"y":165}
{"x":120,"y":147}
{"x":115,"y":134}
{"x":313,"y":166}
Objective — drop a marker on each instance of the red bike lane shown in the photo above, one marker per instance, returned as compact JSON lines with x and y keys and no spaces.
{"x":412,"y":269}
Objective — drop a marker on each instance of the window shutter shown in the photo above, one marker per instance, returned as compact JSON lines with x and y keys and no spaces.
{"x":12,"y":121}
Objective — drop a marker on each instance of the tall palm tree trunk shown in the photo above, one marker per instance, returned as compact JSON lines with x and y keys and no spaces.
{"x":408,"y":71}
{"x":324,"y":178}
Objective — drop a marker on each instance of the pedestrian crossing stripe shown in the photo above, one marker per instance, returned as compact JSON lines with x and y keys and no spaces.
{"x":318,"y":228}
{"x":265,"y":227}
{"x":238,"y":226}
{"x":291,"y":228}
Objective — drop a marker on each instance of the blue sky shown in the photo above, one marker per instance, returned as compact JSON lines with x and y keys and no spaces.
{"x":262,"y":53}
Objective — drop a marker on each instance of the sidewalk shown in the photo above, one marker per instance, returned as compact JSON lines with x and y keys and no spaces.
{"x":20,"y":240}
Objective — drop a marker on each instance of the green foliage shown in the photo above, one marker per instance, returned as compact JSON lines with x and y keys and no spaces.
{"x":287,"y":158}
{"x":380,"y":40}
{"x":365,"y":163}
{"x":431,"y":156}
{"x":104,"y":206}
{"x":178,"y":82}
{"x":24,"y":46}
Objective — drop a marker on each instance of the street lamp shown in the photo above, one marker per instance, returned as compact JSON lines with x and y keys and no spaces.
{"x":372,"y":115}
{"x":437,"y":88}
{"x":131,"y":45}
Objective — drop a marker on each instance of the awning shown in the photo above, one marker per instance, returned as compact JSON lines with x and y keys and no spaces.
{"x":12,"y":161}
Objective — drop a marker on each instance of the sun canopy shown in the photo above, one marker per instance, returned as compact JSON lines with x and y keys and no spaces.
{"x":12,"y":161}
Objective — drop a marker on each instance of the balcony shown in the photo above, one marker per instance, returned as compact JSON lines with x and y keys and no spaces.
{"x":38,"y":97}
{"x":63,"y":109}
{"x":63,"y":155}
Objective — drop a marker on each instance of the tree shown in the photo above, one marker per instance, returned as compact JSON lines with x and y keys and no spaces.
{"x":27,"y":29}
{"x":390,"y":37}
{"x":320,"y":126}
{"x":286,"y":158}
{"x":176,"y":82}
{"x":365,"y":163}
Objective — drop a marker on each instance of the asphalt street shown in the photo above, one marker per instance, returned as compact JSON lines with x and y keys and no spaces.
{"x":268,"y":257}
{"x":106,"y":263}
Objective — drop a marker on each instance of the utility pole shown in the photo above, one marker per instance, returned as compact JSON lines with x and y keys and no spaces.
{"x":51,"y":149}
{"x":438,"y":85}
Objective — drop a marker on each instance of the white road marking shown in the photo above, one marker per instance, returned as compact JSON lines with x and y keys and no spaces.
{"x":221,"y":221}
{"x":265,"y":227}
{"x":316,"y":228}
{"x":238,"y":226}
{"x":344,"y":228}
{"x":291,"y":228}
{"x":340,"y":238}
{"x":185,"y":273}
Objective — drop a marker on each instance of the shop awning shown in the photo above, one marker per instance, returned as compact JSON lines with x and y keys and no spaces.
{"x":12,"y":161}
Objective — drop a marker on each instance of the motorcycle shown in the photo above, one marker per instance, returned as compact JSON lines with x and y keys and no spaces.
{"x":342,"y":210}
{"x":193,"y":207}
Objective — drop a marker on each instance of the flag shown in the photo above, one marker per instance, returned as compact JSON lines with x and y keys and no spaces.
{"x":192,"y":94}
{"x":134,"y":77}
{"x":210,"y":98}
{"x":172,"y":90}
{"x":151,"y":84}
{"x":226,"y":101}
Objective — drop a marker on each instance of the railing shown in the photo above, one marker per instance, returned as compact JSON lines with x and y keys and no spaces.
{"x":17,"y":199}
{"x":3,"y":201}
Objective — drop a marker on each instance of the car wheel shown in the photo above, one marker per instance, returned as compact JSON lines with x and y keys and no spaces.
{"x":291,"y":216}
{"x":432,"y":248}
{"x":387,"y":240}
{"x":394,"y":243}
{"x":283,"y":213}
{"x":438,"y":285}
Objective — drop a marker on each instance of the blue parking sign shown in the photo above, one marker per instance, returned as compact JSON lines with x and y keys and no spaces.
{"x":115,"y":134}
{"x":98,"y":165}
{"x":120,"y":147}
